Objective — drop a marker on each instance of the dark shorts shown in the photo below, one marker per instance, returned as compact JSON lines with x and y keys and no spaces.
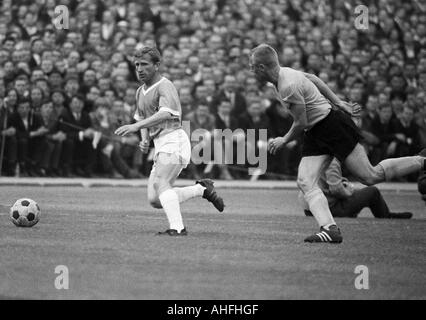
{"x":335,"y":135}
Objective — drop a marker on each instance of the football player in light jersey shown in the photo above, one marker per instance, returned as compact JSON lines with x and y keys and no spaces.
{"x":158,"y":117}
{"x":327,"y":133}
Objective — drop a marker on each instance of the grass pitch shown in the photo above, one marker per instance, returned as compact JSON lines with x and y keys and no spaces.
{"x":254,"y":250}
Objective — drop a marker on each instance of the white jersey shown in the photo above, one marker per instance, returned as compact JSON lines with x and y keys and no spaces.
{"x":294,"y":88}
{"x":168,"y":136}
{"x":163,"y":96}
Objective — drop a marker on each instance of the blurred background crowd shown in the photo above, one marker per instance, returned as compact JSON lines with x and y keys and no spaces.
{"x":63,"y":92}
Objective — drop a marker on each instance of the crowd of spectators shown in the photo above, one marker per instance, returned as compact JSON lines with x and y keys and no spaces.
{"x":63,"y":91}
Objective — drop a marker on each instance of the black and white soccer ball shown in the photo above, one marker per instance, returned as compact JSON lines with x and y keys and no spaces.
{"x":25,"y":213}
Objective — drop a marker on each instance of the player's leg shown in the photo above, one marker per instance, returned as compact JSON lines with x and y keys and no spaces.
{"x":338,"y":210}
{"x":368,"y":197}
{"x":303,"y":204}
{"x":310,"y":170}
{"x":160,"y":193}
{"x":152,"y":193}
{"x":190,"y":192}
{"x":183,"y":193}
{"x":358,"y":164}
{"x":341,"y":208}
{"x":202,"y":188}
{"x":373,"y":198}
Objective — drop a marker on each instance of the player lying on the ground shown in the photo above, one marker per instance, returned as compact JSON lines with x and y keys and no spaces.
{"x":158,"y":117}
{"x":345,"y":201}
{"x":327,"y":133}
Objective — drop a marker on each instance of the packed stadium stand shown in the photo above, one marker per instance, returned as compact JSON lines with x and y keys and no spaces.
{"x":67,"y":80}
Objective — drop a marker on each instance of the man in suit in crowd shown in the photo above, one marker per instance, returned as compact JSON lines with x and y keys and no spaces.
{"x":78,"y":155}
{"x":31,"y":140}
{"x":231,"y":93}
{"x":8,"y":142}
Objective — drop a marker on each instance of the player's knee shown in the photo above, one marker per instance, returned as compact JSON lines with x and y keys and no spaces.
{"x":368,"y":180}
{"x":305,"y":183}
{"x":154,"y":201}
{"x":372,"y":191}
{"x":161,"y":185}
{"x":376,"y":190}
{"x":156,"y":184}
{"x":365,"y":181}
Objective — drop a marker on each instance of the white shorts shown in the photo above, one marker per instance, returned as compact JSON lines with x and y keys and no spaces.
{"x":175,"y":142}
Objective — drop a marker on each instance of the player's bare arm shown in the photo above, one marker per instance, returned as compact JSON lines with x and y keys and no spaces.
{"x":154,"y":120}
{"x":353,"y":110}
{"x":144,"y":143}
{"x":300,"y":122}
{"x":323,"y":88}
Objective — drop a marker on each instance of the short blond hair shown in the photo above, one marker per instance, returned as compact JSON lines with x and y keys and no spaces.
{"x":151,"y":51}
{"x":265,"y":54}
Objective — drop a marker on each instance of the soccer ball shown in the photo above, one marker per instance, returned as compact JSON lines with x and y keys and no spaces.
{"x":25,"y":213}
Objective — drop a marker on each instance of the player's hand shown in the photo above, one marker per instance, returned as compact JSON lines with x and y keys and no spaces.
{"x":144,"y":146}
{"x":126,"y":129}
{"x":349,"y":187}
{"x":344,"y":106}
{"x":351,"y":108}
{"x":275,"y":145}
{"x":356,"y":110}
